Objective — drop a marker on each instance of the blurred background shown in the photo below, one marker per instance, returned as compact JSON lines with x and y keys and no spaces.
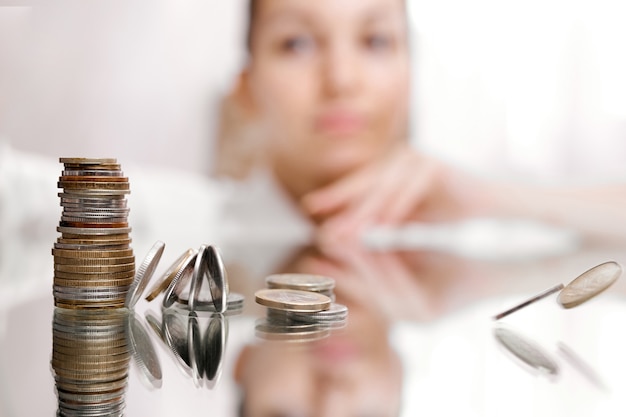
{"x":536,"y":88}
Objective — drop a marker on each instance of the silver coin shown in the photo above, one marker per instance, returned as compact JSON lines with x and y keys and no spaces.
{"x":94,"y":231}
{"x":336,"y":312}
{"x":526,"y":350}
{"x":209,"y":264}
{"x":214,"y":347}
{"x":73,"y":246}
{"x":92,"y":173}
{"x":144,"y":274}
{"x":180,"y":281}
{"x":589,"y":284}
{"x":205,"y":301}
{"x":303,"y":282}
{"x":144,"y":354}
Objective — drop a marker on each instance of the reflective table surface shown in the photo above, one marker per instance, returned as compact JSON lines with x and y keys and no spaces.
{"x":420,"y":339}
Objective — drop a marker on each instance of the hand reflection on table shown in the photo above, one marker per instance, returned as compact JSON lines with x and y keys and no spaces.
{"x":353,"y":372}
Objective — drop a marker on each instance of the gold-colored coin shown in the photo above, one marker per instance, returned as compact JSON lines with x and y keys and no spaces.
{"x":70,"y":178}
{"x":76,"y":283}
{"x":60,"y":260}
{"x":89,"y":276}
{"x":169,"y":275}
{"x":94,"y":238}
{"x":589,"y":284}
{"x":67,"y":253}
{"x":87,"y":161}
{"x":89,"y":185}
{"x":98,"y":269}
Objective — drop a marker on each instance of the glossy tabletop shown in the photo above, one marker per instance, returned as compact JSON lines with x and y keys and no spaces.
{"x":420,"y":339}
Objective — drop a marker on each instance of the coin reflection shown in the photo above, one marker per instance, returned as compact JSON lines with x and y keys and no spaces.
{"x":349,"y":371}
{"x":90,"y":361}
{"x":196,"y":341}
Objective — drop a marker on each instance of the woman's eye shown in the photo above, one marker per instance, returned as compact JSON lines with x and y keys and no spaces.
{"x":297,"y":44}
{"x":378,"y":42}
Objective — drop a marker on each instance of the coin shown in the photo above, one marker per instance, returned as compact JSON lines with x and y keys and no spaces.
{"x":180,"y":281}
{"x":168,"y":275}
{"x":87,"y":161}
{"x":144,"y":354}
{"x":144,"y":273}
{"x":209,"y":264}
{"x":59,"y":260}
{"x":79,"y":269}
{"x":304,"y":282}
{"x":292,"y":300}
{"x":526,"y":350}
{"x":336,"y":312}
{"x":589,"y":284}
{"x":92,"y":254}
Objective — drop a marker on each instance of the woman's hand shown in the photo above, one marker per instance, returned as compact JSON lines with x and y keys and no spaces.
{"x":405,"y":186}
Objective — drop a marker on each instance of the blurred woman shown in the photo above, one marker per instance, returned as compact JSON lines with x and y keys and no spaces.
{"x":326,"y":86}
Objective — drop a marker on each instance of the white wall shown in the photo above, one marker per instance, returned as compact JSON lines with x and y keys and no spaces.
{"x":532,"y":88}
{"x":137,"y":80}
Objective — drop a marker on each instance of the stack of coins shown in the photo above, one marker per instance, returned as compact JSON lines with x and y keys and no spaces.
{"x":94,"y":264}
{"x":90,"y":361}
{"x":314,"y":311}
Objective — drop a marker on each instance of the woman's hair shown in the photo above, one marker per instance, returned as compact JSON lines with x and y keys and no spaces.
{"x":252,"y":9}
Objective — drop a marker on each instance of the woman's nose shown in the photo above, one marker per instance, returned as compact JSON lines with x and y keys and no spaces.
{"x":340,"y":70}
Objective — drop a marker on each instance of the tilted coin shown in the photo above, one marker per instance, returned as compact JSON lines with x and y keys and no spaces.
{"x":168,"y":275}
{"x":144,"y":273}
{"x":209,"y":264}
{"x":525,"y":349}
{"x":589,"y":284}
{"x":218,"y":280}
{"x":292,"y":300}
{"x":144,"y":354}
{"x":304,"y":282}
{"x":180,"y":281}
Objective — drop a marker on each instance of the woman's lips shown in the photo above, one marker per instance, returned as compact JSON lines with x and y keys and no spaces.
{"x":339,"y":123}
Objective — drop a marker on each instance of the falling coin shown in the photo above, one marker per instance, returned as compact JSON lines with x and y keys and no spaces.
{"x":144,"y":273}
{"x":589,"y":284}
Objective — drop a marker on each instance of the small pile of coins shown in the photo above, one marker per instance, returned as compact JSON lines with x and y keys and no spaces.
{"x":90,"y":361}
{"x":300,"y":307}
{"x":94,"y":264}
{"x":182,"y":283}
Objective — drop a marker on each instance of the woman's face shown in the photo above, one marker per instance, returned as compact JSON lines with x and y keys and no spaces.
{"x":329,"y":80}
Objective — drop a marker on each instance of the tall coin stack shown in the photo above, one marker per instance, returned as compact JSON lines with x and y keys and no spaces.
{"x":94,"y":264}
